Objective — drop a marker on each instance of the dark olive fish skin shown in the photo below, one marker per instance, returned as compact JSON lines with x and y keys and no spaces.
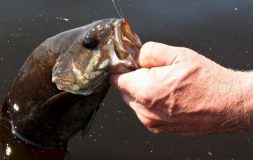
{"x":48,"y":114}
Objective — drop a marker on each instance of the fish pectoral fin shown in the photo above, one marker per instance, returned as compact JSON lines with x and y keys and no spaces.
{"x":56,"y":106}
{"x":60,"y":100}
{"x":90,"y":119}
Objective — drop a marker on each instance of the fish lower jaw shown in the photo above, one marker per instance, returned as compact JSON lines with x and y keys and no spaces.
{"x":74,"y":88}
{"x":62,"y":84}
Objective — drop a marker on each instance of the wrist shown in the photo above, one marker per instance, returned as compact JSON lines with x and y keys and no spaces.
{"x":244,"y":101}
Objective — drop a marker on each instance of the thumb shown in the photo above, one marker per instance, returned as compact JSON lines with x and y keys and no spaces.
{"x":153,"y":54}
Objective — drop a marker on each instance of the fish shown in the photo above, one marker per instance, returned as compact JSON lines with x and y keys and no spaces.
{"x":59,"y":88}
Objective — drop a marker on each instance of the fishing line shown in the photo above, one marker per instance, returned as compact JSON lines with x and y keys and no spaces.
{"x":118,"y":8}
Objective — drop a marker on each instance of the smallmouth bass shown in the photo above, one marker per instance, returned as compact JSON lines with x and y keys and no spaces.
{"x":62,"y":83}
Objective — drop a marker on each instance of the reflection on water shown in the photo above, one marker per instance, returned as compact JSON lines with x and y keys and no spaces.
{"x":14,"y":149}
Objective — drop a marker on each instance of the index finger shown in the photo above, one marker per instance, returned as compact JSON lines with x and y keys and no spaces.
{"x":131,"y":82}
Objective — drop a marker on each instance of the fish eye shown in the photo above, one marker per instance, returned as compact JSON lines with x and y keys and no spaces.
{"x":90,"y":42}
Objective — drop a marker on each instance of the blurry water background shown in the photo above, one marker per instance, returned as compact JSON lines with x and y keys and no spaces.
{"x":222,"y":30}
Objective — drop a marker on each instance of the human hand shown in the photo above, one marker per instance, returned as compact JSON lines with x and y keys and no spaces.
{"x":180,"y":91}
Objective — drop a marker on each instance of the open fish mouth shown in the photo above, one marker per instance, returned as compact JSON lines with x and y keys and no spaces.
{"x":124,"y":48}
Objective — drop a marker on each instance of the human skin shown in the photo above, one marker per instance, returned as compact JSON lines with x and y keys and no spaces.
{"x":177,"y":90}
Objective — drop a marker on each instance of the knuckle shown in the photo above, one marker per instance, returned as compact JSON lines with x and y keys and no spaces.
{"x":188,"y":52}
{"x":144,"y":95}
{"x":191,"y":67}
{"x":155,"y":130}
{"x":146,"y":51}
{"x":146,"y":48}
{"x":149,"y":123}
{"x":153,"y":123}
{"x":145,"y":98}
{"x":148,"y":45}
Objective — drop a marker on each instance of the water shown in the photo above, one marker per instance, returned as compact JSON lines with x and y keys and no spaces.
{"x":218,"y":29}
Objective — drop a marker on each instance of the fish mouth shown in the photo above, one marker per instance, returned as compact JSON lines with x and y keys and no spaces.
{"x":124,"y":48}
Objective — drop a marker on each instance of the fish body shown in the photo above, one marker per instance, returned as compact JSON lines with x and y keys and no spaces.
{"x":62,"y":83}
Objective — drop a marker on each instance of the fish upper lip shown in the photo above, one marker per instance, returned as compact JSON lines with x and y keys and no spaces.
{"x":128,"y":33}
{"x":126,"y":46}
